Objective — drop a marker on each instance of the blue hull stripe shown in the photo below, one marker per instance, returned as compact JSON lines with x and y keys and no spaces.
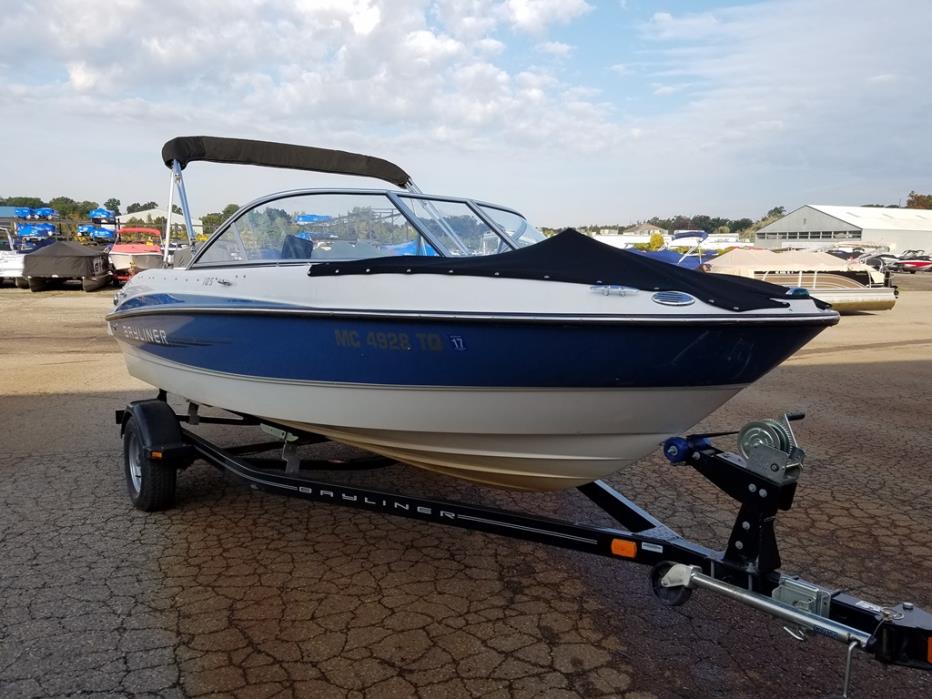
{"x":447,"y":353}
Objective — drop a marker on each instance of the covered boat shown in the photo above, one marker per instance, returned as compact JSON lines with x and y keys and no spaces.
{"x":496,"y":355}
{"x":845,"y":284}
{"x":62,"y":261}
{"x":94,"y":234}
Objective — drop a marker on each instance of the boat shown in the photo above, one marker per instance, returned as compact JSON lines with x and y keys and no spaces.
{"x":546,"y":364}
{"x":51,"y":266}
{"x":101,"y":215}
{"x":13,"y":250}
{"x":94,"y":234}
{"x":11,"y":260}
{"x":848,"y":285}
{"x":35,"y":231}
{"x":135,"y":249}
{"x":911,"y":261}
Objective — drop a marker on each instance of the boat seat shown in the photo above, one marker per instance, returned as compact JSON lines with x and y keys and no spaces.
{"x":294,"y":248}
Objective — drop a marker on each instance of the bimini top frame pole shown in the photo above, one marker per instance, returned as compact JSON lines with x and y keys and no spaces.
{"x":177,"y":182}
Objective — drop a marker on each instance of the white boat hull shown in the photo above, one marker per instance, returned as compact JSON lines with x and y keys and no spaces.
{"x":524,"y":438}
{"x":138,"y":261}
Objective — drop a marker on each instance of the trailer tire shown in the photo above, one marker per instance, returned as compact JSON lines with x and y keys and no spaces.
{"x":22,"y":283}
{"x":151,"y":484}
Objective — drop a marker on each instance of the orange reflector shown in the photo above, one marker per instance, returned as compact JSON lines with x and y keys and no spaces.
{"x":155,"y":455}
{"x":625,"y":548}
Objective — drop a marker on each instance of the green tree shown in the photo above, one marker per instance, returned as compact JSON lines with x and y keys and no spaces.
{"x":31,"y":202}
{"x":211,"y":221}
{"x":776,"y":211}
{"x":136,"y":207}
{"x":113,"y":204}
{"x":915,"y":200}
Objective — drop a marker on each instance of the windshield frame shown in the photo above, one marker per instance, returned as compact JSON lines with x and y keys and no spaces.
{"x":395,"y":197}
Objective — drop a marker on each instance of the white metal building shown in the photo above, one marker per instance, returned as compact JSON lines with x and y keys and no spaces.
{"x":815,"y":225}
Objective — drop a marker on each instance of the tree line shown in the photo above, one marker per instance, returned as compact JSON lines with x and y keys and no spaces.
{"x":73,"y":210}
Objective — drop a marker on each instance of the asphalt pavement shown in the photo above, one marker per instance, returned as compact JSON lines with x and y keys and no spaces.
{"x":240,"y":593}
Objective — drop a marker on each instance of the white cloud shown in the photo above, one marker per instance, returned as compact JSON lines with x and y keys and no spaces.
{"x":664,"y":25}
{"x":489,"y":46}
{"x":555,"y":48}
{"x":620,"y":69}
{"x":536,"y":15}
{"x":317,"y":64}
{"x":779,"y":89}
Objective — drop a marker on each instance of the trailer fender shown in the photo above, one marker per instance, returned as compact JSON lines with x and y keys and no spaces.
{"x":160,"y":432}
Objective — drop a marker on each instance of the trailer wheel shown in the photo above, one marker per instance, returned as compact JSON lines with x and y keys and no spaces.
{"x":22,"y":283}
{"x":151,"y":484}
{"x":670,"y":596}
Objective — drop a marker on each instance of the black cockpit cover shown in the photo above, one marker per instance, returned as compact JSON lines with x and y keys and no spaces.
{"x":186,"y":149}
{"x":573,"y":257}
{"x":65,"y":259}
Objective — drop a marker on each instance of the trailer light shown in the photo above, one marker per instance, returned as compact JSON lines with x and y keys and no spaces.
{"x":929,"y":650}
{"x":624,"y":548}
{"x":155,"y":455}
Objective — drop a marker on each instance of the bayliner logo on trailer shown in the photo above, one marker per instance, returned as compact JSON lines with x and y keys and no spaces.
{"x":331,"y":493}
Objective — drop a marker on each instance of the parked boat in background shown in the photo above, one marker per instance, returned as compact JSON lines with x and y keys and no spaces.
{"x":95,"y":234}
{"x":847,"y":285}
{"x":691,"y":259}
{"x":52,"y":265}
{"x":101,"y":215}
{"x":135,"y":249}
{"x":35,"y":231}
{"x":11,"y":259}
{"x":911,"y":261}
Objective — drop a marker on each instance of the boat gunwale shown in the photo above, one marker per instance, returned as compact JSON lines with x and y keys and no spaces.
{"x":822,"y":318}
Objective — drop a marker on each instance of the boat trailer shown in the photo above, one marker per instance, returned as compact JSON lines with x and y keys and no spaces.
{"x":762,"y":478}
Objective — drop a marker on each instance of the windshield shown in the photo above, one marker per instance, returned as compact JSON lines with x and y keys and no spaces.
{"x":515,"y":226}
{"x":456,"y":226}
{"x":350,"y":225}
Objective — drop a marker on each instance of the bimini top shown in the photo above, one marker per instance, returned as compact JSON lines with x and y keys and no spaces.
{"x":576,"y":258}
{"x":186,"y":149}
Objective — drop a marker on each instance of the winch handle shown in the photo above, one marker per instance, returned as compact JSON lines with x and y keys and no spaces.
{"x":792,"y":417}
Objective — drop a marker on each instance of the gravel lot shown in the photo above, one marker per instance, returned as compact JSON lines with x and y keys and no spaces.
{"x":242,"y":593}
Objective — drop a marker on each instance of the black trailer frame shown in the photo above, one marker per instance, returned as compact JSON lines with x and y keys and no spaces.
{"x":747,"y":571}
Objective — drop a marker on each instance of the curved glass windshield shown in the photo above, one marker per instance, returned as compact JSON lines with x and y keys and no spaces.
{"x":515,"y":226}
{"x":318,"y":227}
{"x":456,"y":226}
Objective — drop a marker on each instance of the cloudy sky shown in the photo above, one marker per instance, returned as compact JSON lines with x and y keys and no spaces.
{"x":573,"y":111}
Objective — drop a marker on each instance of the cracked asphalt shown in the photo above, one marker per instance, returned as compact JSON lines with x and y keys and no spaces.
{"x":240,"y":593}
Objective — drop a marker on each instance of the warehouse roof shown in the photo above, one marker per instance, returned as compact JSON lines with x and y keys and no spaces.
{"x":880,"y":218}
